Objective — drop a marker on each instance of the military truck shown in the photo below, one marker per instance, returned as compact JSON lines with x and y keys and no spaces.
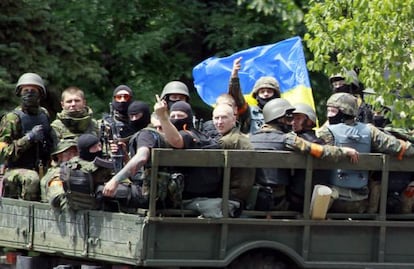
{"x":178,"y":238}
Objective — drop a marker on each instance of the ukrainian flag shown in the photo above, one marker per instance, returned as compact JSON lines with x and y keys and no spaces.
{"x":284,"y":60}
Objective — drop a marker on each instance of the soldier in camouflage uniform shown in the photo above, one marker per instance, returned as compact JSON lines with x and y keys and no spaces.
{"x":76,"y":117}
{"x":351,"y":187}
{"x":26,"y":140}
{"x":51,"y":185}
{"x":339,"y":84}
{"x":275,"y":135}
{"x":93,"y":172}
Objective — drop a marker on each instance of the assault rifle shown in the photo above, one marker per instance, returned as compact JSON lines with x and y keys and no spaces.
{"x":112,"y":135}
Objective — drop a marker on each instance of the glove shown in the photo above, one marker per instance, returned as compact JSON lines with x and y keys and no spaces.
{"x":36,"y":134}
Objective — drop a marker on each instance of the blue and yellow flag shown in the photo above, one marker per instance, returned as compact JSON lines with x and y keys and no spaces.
{"x":284,"y":60}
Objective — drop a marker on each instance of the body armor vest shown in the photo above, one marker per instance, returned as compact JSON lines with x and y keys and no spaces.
{"x":273,"y":140}
{"x":39,"y":151}
{"x":358,"y":137}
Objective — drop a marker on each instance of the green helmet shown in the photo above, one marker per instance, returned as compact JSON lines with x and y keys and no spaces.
{"x":266,"y":82}
{"x":64,"y":145}
{"x":276,"y":108}
{"x":30,"y":79}
{"x":175,"y":87}
{"x":345,"y":102}
{"x":350,"y":74}
{"x":306,"y":109}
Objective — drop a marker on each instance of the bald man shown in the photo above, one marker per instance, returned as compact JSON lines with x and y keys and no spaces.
{"x":242,"y":179}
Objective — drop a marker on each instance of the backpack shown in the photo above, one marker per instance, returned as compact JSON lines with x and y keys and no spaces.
{"x":79,"y":187}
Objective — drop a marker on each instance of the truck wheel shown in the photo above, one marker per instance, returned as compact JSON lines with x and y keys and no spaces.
{"x":257,"y":261}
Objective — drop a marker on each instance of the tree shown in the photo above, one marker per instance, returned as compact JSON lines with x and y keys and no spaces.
{"x":374,"y":37}
{"x":34,"y":40}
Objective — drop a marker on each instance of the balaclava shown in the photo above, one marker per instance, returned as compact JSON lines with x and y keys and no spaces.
{"x":85,"y":142}
{"x":30,"y":102}
{"x":139,"y":107}
{"x":122,"y":107}
{"x":180,"y":124}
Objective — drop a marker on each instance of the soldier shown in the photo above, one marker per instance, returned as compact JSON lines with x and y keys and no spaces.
{"x":339,"y":84}
{"x":242,"y":179}
{"x":303,"y":122}
{"x":139,"y":115}
{"x":82,"y":174}
{"x":115,"y":130}
{"x":274,"y":135}
{"x":351,"y":187}
{"x":265,"y":89}
{"x":175,"y":91}
{"x":76,"y":117}
{"x":118,"y":116}
{"x":180,"y":133}
{"x":26,"y":140}
{"x":141,"y":144}
{"x":51,"y":185}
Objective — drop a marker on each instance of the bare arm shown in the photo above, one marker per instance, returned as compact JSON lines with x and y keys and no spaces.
{"x":171,"y":133}
{"x":139,"y":159}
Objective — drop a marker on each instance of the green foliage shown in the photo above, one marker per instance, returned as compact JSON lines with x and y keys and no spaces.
{"x":97,"y":45}
{"x":375,"y":37}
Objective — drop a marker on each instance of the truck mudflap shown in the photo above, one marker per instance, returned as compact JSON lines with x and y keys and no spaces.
{"x":97,"y":235}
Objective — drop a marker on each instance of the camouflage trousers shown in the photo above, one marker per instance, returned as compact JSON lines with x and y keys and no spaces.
{"x":22,"y":183}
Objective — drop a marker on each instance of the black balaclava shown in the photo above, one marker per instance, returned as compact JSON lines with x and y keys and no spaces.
{"x":31,"y":102}
{"x":85,"y":142}
{"x":137,"y":107}
{"x":180,"y":124}
{"x":122,"y":107}
{"x":339,"y":118}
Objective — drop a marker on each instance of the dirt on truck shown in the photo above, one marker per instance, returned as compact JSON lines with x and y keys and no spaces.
{"x":32,"y":235}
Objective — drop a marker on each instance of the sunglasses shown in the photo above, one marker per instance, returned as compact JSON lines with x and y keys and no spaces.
{"x":122,"y":97}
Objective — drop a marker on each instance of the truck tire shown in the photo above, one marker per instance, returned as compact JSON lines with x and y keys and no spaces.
{"x":258,"y":261}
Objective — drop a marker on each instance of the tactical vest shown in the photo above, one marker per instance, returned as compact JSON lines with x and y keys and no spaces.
{"x":358,"y":137}
{"x":39,"y":150}
{"x":273,"y":140}
{"x":256,"y":119}
{"x":79,"y":186}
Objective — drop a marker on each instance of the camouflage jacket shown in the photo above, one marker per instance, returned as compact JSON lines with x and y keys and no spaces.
{"x":380,"y":142}
{"x":66,"y":126}
{"x":13,"y":142}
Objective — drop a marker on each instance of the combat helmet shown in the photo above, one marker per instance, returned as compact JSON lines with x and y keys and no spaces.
{"x":266,"y":82}
{"x":350,"y":74}
{"x":345,"y":102}
{"x":307,"y":110}
{"x":276,"y":108}
{"x":175,"y":87}
{"x":30,"y":79}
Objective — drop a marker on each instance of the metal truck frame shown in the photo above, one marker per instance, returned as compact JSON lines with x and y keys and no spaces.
{"x":179,"y":238}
